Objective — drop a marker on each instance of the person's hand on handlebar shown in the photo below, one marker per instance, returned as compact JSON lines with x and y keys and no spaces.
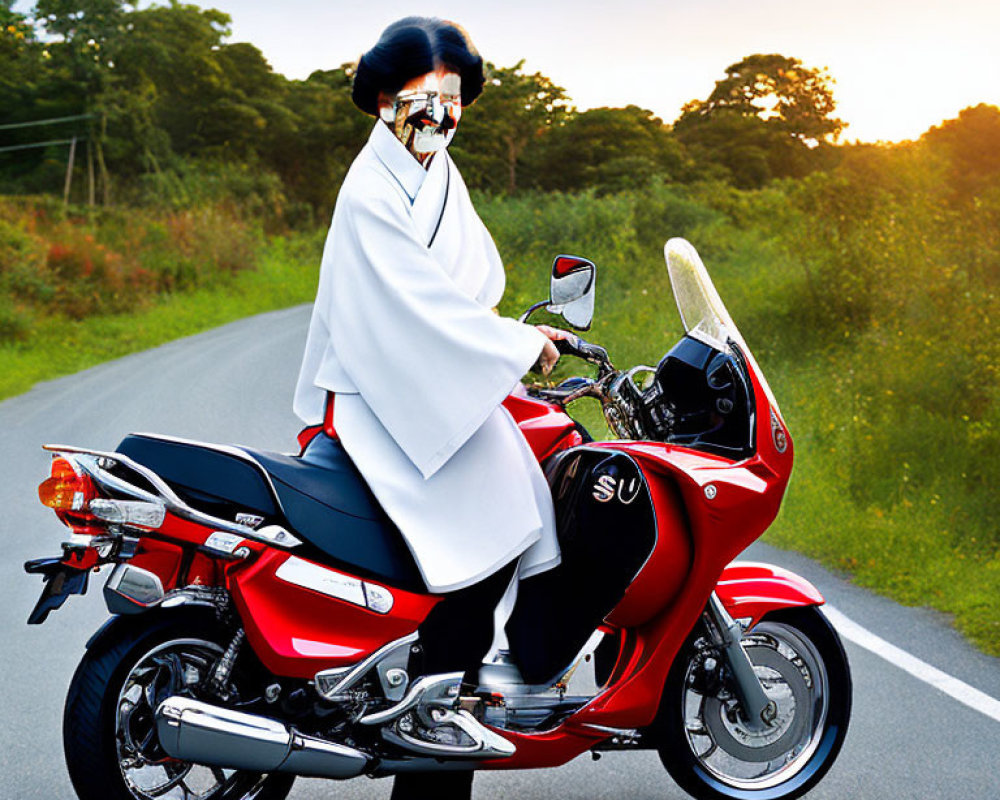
{"x":550,"y":356}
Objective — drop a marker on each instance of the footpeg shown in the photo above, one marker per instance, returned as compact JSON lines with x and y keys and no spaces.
{"x":430,"y":721}
{"x":454,"y":734}
{"x":428,"y":692}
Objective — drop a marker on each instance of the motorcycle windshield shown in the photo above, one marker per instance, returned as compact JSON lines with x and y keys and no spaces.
{"x":702,"y":311}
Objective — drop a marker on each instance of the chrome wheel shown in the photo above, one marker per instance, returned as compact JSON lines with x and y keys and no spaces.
{"x":793,"y":676}
{"x":706,"y":743}
{"x":109,"y":725}
{"x":175,"y":667}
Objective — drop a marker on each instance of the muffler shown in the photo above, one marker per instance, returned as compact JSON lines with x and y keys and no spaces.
{"x":191,"y":730}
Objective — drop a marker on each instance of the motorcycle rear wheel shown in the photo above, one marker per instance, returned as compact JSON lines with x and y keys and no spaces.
{"x":713,"y":755}
{"x":108,"y":732}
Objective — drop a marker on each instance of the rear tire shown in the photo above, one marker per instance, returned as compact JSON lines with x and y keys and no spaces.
{"x":94,"y":722}
{"x":712,"y":755}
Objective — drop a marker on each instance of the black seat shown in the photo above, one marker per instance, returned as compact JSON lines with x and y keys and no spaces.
{"x":328,"y":503}
{"x":324,"y":501}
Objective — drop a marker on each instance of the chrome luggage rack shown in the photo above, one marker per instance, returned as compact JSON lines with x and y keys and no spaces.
{"x":97,"y":464}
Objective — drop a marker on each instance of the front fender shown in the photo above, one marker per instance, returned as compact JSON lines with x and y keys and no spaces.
{"x":749,"y":589}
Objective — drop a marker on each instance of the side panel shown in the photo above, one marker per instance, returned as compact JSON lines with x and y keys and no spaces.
{"x":664,"y":573}
{"x":298,"y":631}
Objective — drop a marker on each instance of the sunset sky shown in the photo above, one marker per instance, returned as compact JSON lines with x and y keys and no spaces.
{"x":900,"y":65}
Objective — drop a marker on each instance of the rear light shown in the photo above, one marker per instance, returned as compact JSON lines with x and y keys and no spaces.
{"x":129,"y":512}
{"x":68,"y":488}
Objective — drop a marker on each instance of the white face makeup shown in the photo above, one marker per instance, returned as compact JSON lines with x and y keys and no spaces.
{"x":425,"y":112}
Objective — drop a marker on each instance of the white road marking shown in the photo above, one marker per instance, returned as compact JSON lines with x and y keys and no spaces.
{"x":951,"y":686}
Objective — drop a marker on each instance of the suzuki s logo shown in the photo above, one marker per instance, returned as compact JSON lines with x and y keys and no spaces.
{"x":604,"y":488}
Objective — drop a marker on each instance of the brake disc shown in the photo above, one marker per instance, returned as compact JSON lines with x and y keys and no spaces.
{"x":784,"y":684}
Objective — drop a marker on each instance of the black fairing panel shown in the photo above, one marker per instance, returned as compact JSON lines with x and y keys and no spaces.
{"x":325,"y":502}
{"x":702,"y":398}
{"x":607,"y":530}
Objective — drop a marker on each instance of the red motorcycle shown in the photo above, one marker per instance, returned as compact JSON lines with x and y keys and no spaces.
{"x":264,"y":607}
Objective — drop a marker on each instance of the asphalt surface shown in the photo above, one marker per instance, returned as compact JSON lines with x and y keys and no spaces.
{"x":233,"y":385}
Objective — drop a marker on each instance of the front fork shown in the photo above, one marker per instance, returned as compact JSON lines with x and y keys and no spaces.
{"x":758,"y":710}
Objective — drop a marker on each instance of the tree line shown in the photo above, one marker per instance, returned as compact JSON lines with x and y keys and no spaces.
{"x":171,"y":111}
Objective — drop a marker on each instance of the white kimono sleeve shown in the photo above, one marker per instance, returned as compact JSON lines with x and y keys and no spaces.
{"x":430,"y":362}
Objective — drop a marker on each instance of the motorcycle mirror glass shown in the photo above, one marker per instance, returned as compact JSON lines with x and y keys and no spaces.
{"x":572,"y":289}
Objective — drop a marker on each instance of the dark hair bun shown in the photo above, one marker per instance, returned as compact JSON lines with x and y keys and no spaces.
{"x":413,"y":47}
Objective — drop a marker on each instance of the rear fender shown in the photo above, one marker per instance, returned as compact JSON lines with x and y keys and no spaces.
{"x":119,"y":627}
{"x":751,"y":590}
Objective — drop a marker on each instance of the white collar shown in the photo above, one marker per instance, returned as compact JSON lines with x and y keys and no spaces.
{"x":407,"y":171}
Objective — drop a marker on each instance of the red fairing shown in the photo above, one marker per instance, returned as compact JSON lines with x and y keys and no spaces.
{"x":546,"y":427}
{"x":752,"y":590}
{"x":297,"y":631}
{"x":539,"y":750}
{"x":726,"y":506}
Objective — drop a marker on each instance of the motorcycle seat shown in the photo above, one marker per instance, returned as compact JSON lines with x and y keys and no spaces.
{"x":322,"y":499}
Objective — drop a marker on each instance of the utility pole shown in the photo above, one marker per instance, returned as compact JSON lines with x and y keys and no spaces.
{"x":90,"y":172}
{"x":69,"y":171}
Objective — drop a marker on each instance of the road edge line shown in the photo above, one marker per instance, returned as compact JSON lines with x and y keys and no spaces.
{"x":950,"y":685}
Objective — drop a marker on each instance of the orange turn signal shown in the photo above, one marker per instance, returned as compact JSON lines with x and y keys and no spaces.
{"x":68,"y":488}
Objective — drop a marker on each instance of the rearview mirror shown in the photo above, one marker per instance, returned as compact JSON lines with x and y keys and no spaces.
{"x":572,"y":289}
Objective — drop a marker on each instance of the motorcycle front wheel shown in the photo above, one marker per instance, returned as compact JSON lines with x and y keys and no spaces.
{"x":109,"y":732}
{"x":703,"y":740}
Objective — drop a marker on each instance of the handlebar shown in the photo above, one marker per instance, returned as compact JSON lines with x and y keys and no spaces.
{"x":617,"y":391}
{"x":593,"y":353}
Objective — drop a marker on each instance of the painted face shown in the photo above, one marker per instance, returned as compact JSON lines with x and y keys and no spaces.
{"x":425,"y":112}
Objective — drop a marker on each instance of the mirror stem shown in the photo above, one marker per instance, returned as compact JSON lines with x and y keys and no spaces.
{"x":532,"y":310}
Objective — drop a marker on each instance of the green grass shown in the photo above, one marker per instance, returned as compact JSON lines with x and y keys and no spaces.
{"x":285,"y":275}
{"x":916,"y":545}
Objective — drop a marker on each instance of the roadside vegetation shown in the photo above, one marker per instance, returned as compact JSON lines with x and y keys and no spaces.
{"x":864,"y":277}
{"x":869,"y":296}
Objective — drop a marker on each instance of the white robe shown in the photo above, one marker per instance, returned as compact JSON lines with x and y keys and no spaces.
{"x":404,"y":335}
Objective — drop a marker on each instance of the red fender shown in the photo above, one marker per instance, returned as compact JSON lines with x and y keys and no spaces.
{"x":748,"y":589}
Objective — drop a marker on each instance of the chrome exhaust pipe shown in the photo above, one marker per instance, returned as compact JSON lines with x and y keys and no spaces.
{"x":191,"y":730}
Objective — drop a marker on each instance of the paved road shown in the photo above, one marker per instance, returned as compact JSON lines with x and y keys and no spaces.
{"x":233,"y":384}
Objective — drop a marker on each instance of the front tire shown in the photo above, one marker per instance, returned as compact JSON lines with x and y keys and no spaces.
{"x":108,"y":733}
{"x":704,"y":743}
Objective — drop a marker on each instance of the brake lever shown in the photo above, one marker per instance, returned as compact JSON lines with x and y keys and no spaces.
{"x":566,"y":392}
{"x":592,"y":353}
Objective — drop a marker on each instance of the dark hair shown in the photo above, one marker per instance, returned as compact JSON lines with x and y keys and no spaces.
{"x":412,"y":47}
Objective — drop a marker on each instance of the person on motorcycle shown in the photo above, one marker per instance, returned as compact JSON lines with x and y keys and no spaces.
{"x":405,"y":343}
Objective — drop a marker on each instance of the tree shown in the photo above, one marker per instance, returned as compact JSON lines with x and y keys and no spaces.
{"x":609,"y":149}
{"x":495,"y":133}
{"x":312,"y":155}
{"x":19,"y":62}
{"x":971,"y":145}
{"x":80,"y":20}
{"x":769,"y":117}
{"x":797,"y":100}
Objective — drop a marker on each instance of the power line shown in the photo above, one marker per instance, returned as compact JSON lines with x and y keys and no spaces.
{"x":54,"y":142}
{"x":51,"y":121}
